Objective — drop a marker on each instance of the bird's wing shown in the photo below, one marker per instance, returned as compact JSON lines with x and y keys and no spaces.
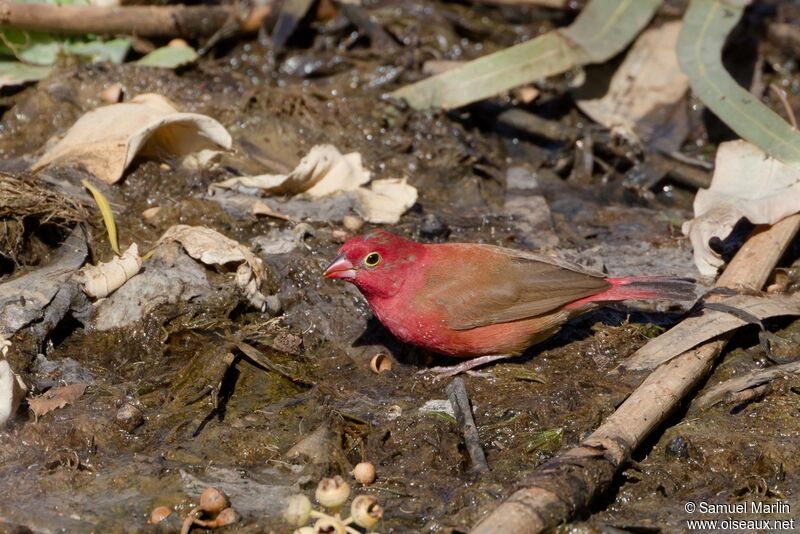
{"x":479,"y":285}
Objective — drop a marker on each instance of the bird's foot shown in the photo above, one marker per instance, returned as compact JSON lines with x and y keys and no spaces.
{"x":447,"y":371}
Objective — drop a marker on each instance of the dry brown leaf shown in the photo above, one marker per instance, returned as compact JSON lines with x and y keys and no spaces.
{"x":746,"y":184}
{"x":384,"y":201}
{"x":105,"y":141}
{"x":55,"y":398}
{"x":101,"y":280}
{"x":213,"y":248}
{"x":693,"y":331}
{"x":325,"y":171}
{"x":649,"y":79}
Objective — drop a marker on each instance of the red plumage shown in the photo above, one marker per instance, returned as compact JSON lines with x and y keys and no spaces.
{"x":471,"y":300}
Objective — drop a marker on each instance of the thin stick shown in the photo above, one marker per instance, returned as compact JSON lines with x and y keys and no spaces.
{"x":457,"y":394}
{"x":567,"y":483}
{"x":144,"y":21}
{"x":742,"y":383}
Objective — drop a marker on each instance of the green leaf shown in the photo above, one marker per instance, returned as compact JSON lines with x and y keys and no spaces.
{"x":169,"y":57}
{"x":30,"y":47}
{"x":15,"y":73}
{"x":601,"y":31}
{"x":113,"y":51}
{"x":706,"y":25}
{"x":105,"y":211}
{"x":547,"y":441}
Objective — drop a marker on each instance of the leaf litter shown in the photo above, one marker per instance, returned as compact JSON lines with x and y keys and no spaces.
{"x":55,"y":398}
{"x":157,"y":332}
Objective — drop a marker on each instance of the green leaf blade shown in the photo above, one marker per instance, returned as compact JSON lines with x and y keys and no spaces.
{"x":602,"y":30}
{"x":706,"y":26}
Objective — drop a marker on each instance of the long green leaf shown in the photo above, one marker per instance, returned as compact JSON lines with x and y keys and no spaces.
{"x":169,"y":57}
{"x":105,"y":211}
{"x":602,"y":30}
{"x":706,"y":25}
{"x":14,"y":73}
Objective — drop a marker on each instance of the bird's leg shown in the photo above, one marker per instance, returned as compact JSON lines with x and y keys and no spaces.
{"x":447,"y":371}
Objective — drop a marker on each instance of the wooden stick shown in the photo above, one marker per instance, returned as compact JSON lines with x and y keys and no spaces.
{"x":742,"y":383}
{"x":145,"y":21}
{"x":457,"y":394}
{"x":567,"y":483}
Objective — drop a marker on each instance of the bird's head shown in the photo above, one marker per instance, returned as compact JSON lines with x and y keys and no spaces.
{"x":377,"y":263}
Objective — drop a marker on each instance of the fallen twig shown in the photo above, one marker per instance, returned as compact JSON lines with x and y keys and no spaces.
{"x":533,"y":124}
{"x":143,"y":21}
{"x":567,"y":483}
{"x":457,"y":394}
{"x":742,"y":383}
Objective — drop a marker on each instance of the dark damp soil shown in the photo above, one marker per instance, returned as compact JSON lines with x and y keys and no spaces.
{"x":208,"y":420}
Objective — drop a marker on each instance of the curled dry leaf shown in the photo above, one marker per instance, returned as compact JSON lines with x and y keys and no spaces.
{"x":101,"y":280}
{"x":386,"y":200}
{"x":12,"y":390}
{"x":735,"y":194}
{"x":106,"y":140}
{"x":213,"y":248}
{"x":55,"y":398}
{"x":648,"y":81}
{"x":325,"y":171}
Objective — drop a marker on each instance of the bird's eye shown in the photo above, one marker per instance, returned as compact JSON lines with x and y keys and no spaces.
{"x":372,"y":259}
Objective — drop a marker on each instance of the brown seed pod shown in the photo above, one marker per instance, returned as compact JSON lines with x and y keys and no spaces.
{"x":366,"y":511}
{"x":332,"y":492}
{"x":329,"y":525}
{"x":380,"y":363}
{"x":226,"y":517}
{"x":213,"y":500}
{"x":159,"y":514}
{"x":364,"y":472}
{"x":297,"y":511}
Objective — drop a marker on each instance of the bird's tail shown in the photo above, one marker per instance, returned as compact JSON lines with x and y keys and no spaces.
{"x":649,"y":288}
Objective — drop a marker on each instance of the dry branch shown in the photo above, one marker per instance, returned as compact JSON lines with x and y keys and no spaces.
{"x":744,"y":383}
{"x":567,"y":483}
{"x":457,"y":394}
{"x":144,"y":21}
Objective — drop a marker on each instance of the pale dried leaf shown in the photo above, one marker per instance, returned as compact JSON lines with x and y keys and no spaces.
{"x":386,"y":200}
{"x":695,"y":330}
{"x":323,"y":171}
{"x":746,"y":184}
{"x":55,"y":398}
{"x":101,"y":280}
{"x":648,"y":80}
{"x":213,"y":248}
{"x":105,"y":141}
{"x":12,"y":391}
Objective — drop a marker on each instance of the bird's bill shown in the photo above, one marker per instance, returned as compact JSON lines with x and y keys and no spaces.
{"x":340,"y":267}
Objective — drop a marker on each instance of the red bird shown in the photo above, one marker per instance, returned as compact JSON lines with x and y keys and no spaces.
{"x":480,"y":301}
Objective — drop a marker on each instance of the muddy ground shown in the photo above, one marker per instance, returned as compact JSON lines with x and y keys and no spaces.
{"x":77,"y":470}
